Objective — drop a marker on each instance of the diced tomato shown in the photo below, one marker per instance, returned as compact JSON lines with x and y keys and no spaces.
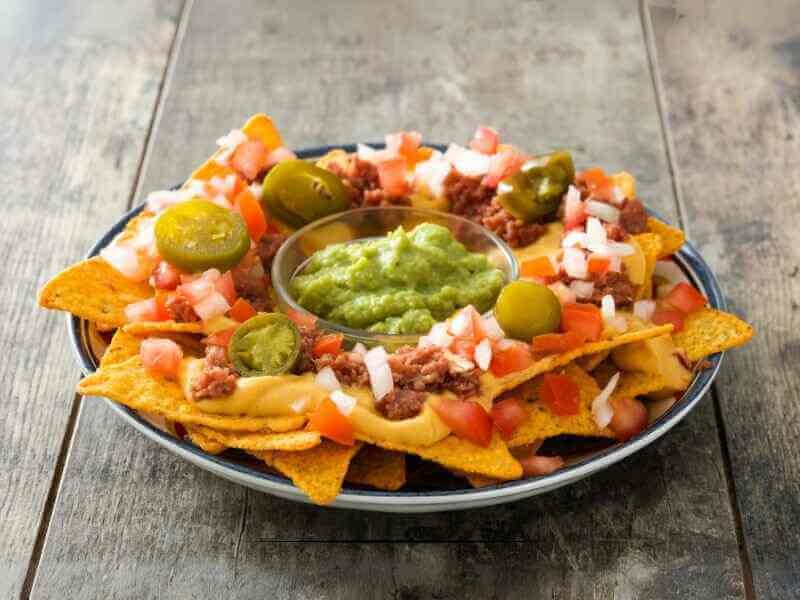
{"x":507,"y":415}
{"x":220,"y":338}
{"x":485,"y":140}
{"x":242,"y":310}
{"x":685,"y":298}
{"x":165,"y":276}
{"x":279,"y":155}
{"x":252,"y":213}
{"x":538,"y":267}
{"x":466,"y":419}
{"x":663,"y":316}
{"x":630,"y":417}
{"x":534,"y":466}
{"x":250,"y":158}
{"x":583,"y":319}
{"x":302,"y":319}
{"x":509,"y":357}
{"x":600,"y":185}
{"x":463,"y":347}
{"x":392,"y":176}
{"x":404,"y":144}
{"x":330,"y":343}
{"x":150,"y":309}
{"x":560,"y":394}
{"x":226,"y":286}
{"x":161,"y":356}
{"x":556,"y":343}
{"x":330,"y":423}
{"x":501,"y":165}
{"x":599,"y":265}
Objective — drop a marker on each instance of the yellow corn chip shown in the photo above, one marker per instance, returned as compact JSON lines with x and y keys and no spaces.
{"x":146,"y":328}
{"x":378,"y":468}
{"x":205,"y":444}
{"x":494,"y":386}
{"x":93,"y":290}
{"x":454,"y":453}
{"x":290,"y":441}
{"x":479,"y":481}
{"x":634,"y":383}
{"x":542,"y":423}
{"x":122,"y":347}
{"x":650,"y":243}
{"x":709,"y":331}
{"x":589,"y":362}
{"x":318,"y":472}
{"x":672,"y":238}
{"x":128,"y":383}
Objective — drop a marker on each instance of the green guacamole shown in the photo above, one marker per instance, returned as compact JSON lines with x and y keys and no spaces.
{"x":402,"y":283}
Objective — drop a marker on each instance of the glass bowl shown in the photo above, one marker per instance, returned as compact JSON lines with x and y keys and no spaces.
{"x":370,"y":223}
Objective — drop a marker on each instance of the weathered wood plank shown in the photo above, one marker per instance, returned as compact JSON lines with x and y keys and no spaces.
{"x":353,"y":71}
{"x":732,"y":84}
{"x":79,"y":85}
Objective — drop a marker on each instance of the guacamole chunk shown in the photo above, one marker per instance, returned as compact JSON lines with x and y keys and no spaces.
{"x":401,"y":283}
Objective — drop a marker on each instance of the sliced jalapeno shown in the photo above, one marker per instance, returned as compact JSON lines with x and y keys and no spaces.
{"x":267,"y":344}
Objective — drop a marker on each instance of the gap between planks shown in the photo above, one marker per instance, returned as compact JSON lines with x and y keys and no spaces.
{"x":72,"y":421}
{"x":672,"y":163}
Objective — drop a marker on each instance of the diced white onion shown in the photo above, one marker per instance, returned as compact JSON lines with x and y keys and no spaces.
{"x":582,"y":289}
{"x":125,"y":259}
{"x":431,"y":174}
{"x":617,"y":195}
{"x":380,"y":374}
{"x":644,"y":309}
{"x":669,"y":270}
{"x":573,"y":194}
{"x":619,"y":324}
{"x":602,"y":411}
{"x":467,"y":162}
{"x":438,"y":336}
{"x":612,"y":249}
{"x":603,"y":211}
{"x":574,"y":263}
{"x":211,"y":306}
{"x":360,"y":349}
{"x":615,"y":264}
{"x":326,"y":379}
{"x":158,"y":201}
{"x":595,"y":231}
{"x":300,"y":405}
{"x":458,"y":363}
{"x":483,"y":354}
{"x":228,"y":143}
{"x":564,"y":294}
{"x":491,"y":327}
{"x":461,"y":323}
{"x":367,"y":153}
{"x":344,"y":402}
{"x":575,"y":238}
{"x":608,"y":307}
{"x":256,"y":188}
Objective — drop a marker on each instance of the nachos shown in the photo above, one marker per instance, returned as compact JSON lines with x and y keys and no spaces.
{"x":600,"y":321}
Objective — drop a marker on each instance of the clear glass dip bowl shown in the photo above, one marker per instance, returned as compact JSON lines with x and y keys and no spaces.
{"x":371,"y":223}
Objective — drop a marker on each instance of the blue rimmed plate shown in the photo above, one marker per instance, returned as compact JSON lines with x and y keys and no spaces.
{"x":409,"y":501}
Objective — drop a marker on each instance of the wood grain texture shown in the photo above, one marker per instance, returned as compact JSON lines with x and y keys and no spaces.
{"x":79,"y":83}
{"x":732,"y":84}
{"x":656,"y":526}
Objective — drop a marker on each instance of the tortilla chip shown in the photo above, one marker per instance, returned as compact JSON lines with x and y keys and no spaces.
{"x":205,"y":444}
{"x":94,"y":290}
{"x":709,"y":331}
{"x":318,"y":472}
{"x":543,"y":424}
{"x":290,"y":441}
{"x":634,"y":383}
{"x":494,"y":386}
{"x":122,"y":347}
{"x":145,"y":328}
{"x":650,"y":243}
{"x":589,"y":363}
{"x":672,"y":238}
{"x":454,"y":453}
{"x":479,"y":481}
{"x":378,"y":468}
{"x":128,"y":383}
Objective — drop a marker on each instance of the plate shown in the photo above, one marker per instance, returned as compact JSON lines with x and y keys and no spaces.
{"x":249,"y":475}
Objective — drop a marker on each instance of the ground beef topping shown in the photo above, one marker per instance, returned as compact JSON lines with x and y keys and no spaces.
{"x":467,"y":196}
{"x":217,"y":378}
{"x":267,"y":248}
{"x":180,"y":309}
{"x":516,"y":233}
{"x":632,"y":217}
{"x":617,"y":285}
{"x":359,"y":177}
{"x":348,"y":367}
{"x":251,"y":281}
{"x":401,"y":404}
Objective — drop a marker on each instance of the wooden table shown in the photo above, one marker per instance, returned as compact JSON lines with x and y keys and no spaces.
{"x":102,"y":103}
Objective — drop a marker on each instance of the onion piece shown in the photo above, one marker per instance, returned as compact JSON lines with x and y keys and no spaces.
{"x":438,"y":336}
{"x":603,"y":211}
{"x":575,"y":238}
{"x":602,"y":411}
{"x":574,"y":263}
{"x":608,"y":307}
{"x":582,"y":289}
{"x":462,"y":324}
{"x":326,"y":379}
{"x":595,"y":232}
{"x":380,"y":374}
{"x":431,"y":174}
{"x":617,"y":195}
{"x":491,"y":327}
{"x":619,"y":324}
{"x":644,"y":309}
{"x":467,"y":162}
{"x":669,"y":270}
{"x":158,"y":201}
{"x":483,"y":354}
{"x":344,"y":402}
{"x":228,"y":144}
{"x":211,"y":306}
{"x":611,"y":249}
{"x":359,"y":349}
{"x":565,"y":295}
{"x":127,"y":261}
{"x":459,"y":364}
{"x":615,"y":264}
{"x":300,"y":405}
